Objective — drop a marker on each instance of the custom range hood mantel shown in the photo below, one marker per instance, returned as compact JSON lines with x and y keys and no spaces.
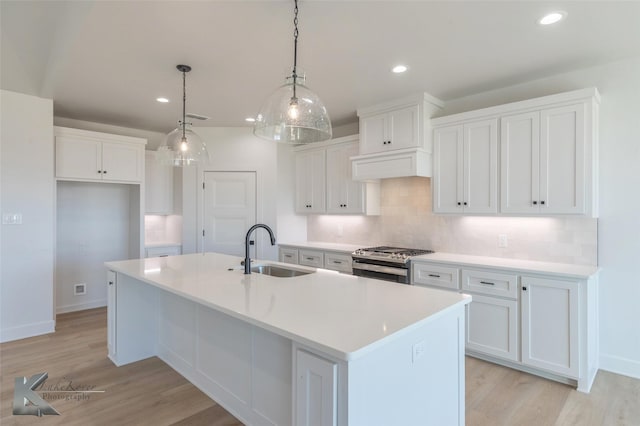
{"x":395,"y":138}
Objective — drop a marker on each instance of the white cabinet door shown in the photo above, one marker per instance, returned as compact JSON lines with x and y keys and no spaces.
{"x":448,"y":177}
{"x":111,"y":314}
{"x":310,"y":181}
{"x":288,"y":255}
{"x":403,"y":128}
{"x":562,"y":160}
{"x":492,"y":327}
{"x":344,"y":195}
{"x":480,"y":167}
{"x":158,"y":185}
{"x":316,"y":398}
{"x":78,"y":158}
{"x":520,"y":159}
{"x":373,"y":133}
{"x":550,"y":325}
{"x":122,"y":162}
{"x":466,"y":168}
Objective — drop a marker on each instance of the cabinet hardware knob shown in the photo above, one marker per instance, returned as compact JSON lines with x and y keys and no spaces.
{"x":104,"y":172}
{"x":487,"y":283}
{"x":535,"y":202}
{"x":389,"y":142}
{"x":110,"y":282}
{"x":99,"y":171}
{"x":459,"y":203}
{"x":465,"y":203}
{"x":524,"y":288}
{"x":434,"y":275}
{"x":541,"y":202}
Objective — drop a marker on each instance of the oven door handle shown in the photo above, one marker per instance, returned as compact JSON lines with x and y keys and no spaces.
{"x":379,"y":268}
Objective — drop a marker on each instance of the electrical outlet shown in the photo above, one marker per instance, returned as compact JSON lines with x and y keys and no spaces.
{"x":79,"y":289}
{"x":12,"y":218}
{"x":418,"y":350}
{"x":502,"y":240}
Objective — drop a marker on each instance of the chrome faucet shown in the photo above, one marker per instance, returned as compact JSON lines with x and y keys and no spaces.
{"x":247,"y":261}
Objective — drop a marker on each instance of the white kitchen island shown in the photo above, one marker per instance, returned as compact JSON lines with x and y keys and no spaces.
{"x":319,"y":349}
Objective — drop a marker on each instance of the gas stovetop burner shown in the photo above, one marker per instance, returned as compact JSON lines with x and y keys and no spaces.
{"x":387,"y":252}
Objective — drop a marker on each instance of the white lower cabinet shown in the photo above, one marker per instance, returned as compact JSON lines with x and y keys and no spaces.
{"x":332,"y":260}
{"x":545,"y":324}
{"x":550,"y":325}
{"x":316,"y":399}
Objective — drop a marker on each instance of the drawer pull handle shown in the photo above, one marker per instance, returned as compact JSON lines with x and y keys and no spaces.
{"x":434,"y":275}
{"x":288,"y":255}
{"x":337,"y":262}
{"x":310,"y":258}
{"x":487,"y":283}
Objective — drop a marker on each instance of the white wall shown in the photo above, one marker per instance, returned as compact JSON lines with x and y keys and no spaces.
{"x":93,"y":227}
{"x":233,"y":149}
{"x":26,"y":187}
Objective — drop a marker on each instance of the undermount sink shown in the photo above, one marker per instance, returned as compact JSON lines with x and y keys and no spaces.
{"x":278,"y":271}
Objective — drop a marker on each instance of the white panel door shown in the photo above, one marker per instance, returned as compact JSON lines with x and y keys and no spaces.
{"x":316,"y":398}
{"x":122,"y":162}
{"x":447,"y":170}
{"x":562,"y":160}
{"x":481,"y":167}
{"x":404,"y":128}
{"x":520,"y":149}
{"x":78,"y":158}
{"x":550,"y":325}
{"x":229,"y":211}
{"x":310,"y":181}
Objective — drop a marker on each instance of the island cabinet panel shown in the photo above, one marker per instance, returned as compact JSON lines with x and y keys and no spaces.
{"x":316,"y":390}
{"x":111,"y":314}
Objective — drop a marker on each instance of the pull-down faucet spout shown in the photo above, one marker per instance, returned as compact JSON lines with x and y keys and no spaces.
{"x":247,"y":261}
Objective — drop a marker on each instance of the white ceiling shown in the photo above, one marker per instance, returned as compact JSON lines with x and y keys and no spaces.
{"x":107,"y":61}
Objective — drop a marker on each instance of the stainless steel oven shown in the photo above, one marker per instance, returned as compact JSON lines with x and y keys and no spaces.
{"x":385,"y":263}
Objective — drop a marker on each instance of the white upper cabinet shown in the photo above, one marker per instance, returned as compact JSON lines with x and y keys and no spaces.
{"x":310,"y":181}
{"x":465,"y":171}
{"x":91,"y":156}
{"x":324,"y":183}
{"x":158,"y":185}
{"x":395,"y":138}
{"x":396,"y":129}
{"x":543,"y":161}
{"x":548,"y":158}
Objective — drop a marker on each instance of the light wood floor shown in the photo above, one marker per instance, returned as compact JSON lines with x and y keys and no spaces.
{"x":150,"y":392}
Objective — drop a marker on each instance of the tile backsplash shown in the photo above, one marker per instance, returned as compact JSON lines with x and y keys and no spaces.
{"x":162,"y":229}
{"x":406,"y":220}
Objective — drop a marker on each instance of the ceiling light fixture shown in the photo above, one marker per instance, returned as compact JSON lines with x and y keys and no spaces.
{"x":552,"y":18}
{"x":398,"y":69}
{"x":183,"y":147}
{"x":162,"y":100}
{"x":250,"y":119}
{"x":293,"y":113}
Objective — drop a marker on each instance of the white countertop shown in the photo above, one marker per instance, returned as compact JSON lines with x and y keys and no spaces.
{"x":564,"y":269}
{"x":342,"y":315}
{"x":162,"y":244}
{"x":318,"y":245}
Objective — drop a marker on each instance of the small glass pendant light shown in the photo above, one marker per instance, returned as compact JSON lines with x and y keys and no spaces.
{"x":182,"y":146}
{"x":293,"y":113}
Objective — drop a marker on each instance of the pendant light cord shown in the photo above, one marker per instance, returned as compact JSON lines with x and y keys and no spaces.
{"x":295,"y":48}
{"x":184,"y":103}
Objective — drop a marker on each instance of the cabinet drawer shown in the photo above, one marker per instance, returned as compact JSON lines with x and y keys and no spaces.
{"x":163,"y":251}
{"x":491,"y":283}
{"x":435,"y":275}
{"x":338,"y":262}
{"x":311,"y":258}
{"x":288,"y":255}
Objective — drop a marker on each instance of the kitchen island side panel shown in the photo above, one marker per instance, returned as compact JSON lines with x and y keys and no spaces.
{"x":418,"y":380}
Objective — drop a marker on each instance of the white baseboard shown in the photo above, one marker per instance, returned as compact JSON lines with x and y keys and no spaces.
{"x":619,"y":365}
{"x":81,"y":306}
{"x":29,"y":330}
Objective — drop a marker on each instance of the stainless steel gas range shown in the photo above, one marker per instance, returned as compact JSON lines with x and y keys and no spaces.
{"x":385,"y":263}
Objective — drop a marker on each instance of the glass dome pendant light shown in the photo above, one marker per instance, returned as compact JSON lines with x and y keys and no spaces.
{"x":293,"y":113}
{"x":182,"y":146}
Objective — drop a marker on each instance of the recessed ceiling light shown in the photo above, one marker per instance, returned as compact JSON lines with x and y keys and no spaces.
{"x":398,"y":69}
{"x":552,"y":18}
{"x":162,"y":100}
{"x":250,"y":119}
